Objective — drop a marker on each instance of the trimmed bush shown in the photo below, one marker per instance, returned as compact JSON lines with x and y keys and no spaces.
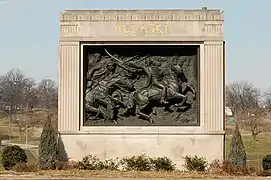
{"x":48,"y":149}
{"x":137,"y":163}
{"x":162,"y":164}
{"x":110,"y":164}
{"x":90,"y":163}
{"x":266,"y":162}
{"x":25,"y":167}
{"x":195,"y":163}
{"x":237,"y":155}
{"x":13,"y":155}
{"x":134,"y":163}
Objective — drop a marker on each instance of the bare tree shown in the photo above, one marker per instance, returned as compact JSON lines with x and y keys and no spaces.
{"x":47,"y":92}
{"x":18,"y":96}
{"x":267,"y":99}
{"x":256,"y":122}
{"x":30,"y":94}
{"x":245,"y":100}
{"x":242,"y":97}
{"x":12,"y":89}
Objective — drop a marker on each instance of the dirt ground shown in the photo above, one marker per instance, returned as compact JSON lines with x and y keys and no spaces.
{"x":123,"y":178}
{"x":111,"y":175}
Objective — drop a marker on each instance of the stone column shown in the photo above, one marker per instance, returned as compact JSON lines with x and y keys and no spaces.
{"x":69,"y":87}
{"x":212,"y":87}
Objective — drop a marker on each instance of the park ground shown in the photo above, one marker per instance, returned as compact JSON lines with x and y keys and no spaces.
{"x":10,"y":131}
{"x":117,"y":175}
{"x":124,"y":176}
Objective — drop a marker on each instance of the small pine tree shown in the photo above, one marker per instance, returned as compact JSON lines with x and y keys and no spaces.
{"x":237,"y":155}
{"x":48,"y":149}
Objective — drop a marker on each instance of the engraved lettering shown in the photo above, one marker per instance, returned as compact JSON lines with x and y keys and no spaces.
{"x":118,"y":28}
{"x":143,"y":28}
{"x":166,"y":28}
{"x":133,"y":30}
{"x":125,"y":29}
{"x":157,"y":28}
{"x":148,"y":29}
{"x":153,"y":28}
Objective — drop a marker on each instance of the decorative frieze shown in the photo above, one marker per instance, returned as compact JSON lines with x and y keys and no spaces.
{"x":142,"y":15}
{"x":69,"y":29}
{"x":210,"y":28}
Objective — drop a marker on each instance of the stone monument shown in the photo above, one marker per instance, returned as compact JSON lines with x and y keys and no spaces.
{"x":142,"y":81}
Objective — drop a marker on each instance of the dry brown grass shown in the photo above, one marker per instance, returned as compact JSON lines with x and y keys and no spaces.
{"x":11,"y":128}
{"x":137,"y":174}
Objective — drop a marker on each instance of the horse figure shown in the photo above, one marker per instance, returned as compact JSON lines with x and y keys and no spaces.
{"x":149,"y":97}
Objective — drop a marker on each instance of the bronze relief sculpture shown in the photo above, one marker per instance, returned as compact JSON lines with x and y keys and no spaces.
{"x":141,"y":89}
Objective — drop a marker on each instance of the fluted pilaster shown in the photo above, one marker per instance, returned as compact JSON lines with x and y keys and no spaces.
{"x":212,"y":87}
{"x":69,"y":69}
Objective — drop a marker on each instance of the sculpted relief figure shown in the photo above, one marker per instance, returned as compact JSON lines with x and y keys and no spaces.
{"x":128,"y":88}
{"x":105,"y":89}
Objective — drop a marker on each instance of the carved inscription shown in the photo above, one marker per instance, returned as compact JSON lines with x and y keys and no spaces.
{"x":147,"y":29}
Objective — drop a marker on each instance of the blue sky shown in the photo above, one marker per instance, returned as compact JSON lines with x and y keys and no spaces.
{"x":29,"y":33}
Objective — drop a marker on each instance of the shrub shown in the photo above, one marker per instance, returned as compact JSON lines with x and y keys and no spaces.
{"x":266,"y":162}
{"x":90,"y":163}
{"x":137,"y":163}
{"x":162,"y":164}
{"x":110,"y":164}
{"x":66,"y":165}
{"x":13,"y":155}
{"x":226,"y":167}
{"x":237,"y":155}
{"x":25,"y":167}
{"x":48,"y":149}
{"x":266,"y":173}
{"x":195,"y":163}
{"x":93,"y":163}
{"x":134,"y":163}
{"x":215,"y":166}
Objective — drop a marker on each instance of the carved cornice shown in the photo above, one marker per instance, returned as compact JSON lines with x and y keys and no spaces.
{"x":141,"y":15}
{"x":69,"y":43}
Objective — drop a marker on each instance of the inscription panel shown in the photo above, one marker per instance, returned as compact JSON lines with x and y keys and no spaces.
{"x":142,"y":29}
